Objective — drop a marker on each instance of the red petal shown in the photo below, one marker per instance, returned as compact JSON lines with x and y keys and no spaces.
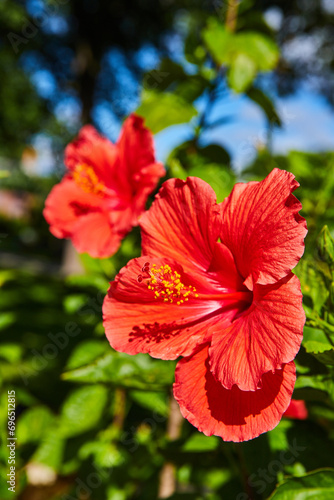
{"x":234,"y":415}
{"x":94,"y":234}
{"x":262,"y":228}
{"x":181,"y":224}
{"x":65,"y":204}
{"x":136,"y":152}
{"x":223,"y":270}
{"x":264,"y":337}
{"x":96,"y":151}
{"x":135,"y":322}
{"x":297,"y":409}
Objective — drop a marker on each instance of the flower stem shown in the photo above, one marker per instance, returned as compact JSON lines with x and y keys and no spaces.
{"x":231,"y":14}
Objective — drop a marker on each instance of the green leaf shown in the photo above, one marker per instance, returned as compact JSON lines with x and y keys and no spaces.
{"x":161,"y":110}
{"x":312,"y":284}
{"x":72,"y":303}
{"x":260,"y":48}
{"x":33,"y":424}
{"x":244,"y":53}
{"x":314,"y":388}
{"x":317,"y":485}
{"x":105,"y":454}
{"x":219,"y":41}
{"x":82,"y":410}
{"x":86,"y":352}
{"x":51,"y":450}
{"x":198,"y":443}
{"x":123,"y":370}
{"x":11,"y":352}
{"x":326,"y":246}
{"x":242,"y":72}
{"x":176,"y":170}
{"x":6,"y":319}
{"x":316,"y":343}
{"x":155,"y":401}
{"x":190,"y":156}
{"x":220,"y":178}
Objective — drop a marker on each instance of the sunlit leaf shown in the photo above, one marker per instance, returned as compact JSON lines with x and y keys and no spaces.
{"x":119,"y":369}
{"x":161,"y":110}
{"x":51,"y":450}
{"x":317,"y":485}
{"x":155,"y":401}
{"x":198,"y":442}
{"x":242,"y":72}
{"x":33,"y":424}
{"x":86,"y":352}
{"x":82,"y":409}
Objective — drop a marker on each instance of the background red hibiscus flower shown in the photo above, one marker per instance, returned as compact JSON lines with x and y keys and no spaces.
{"x":105,"y":188}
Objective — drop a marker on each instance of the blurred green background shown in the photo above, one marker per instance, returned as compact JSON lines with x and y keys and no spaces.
{"x":231,"y":90}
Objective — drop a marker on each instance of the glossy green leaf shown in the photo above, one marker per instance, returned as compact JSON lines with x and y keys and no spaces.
{"x":242,"y":72}
{"x":220,"y":178}
{"x":86,"y":352}
{"x":11,"y":352}
{"x":51,"y":450}
{"x":82,"y":410}
{"x":260,"y":48}
{"x":219,"y":41}
{"x":326,"y":245}
{"x":33,"y":424}
{"x":312,"y":283}
{"x":318,"y":344}
{"x":245,"y":53}
{"x":154,"y":401}
{"x":317,"y":485}
{"x":314,"y":388}
{"x":119,"y":369}
{"x":198,"y":443}
{"x":161,"y":110}
{"x":105,"y":454}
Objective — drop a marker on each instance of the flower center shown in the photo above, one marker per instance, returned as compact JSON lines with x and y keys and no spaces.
{"x":86,"y":179}
{"x":166,"y":284}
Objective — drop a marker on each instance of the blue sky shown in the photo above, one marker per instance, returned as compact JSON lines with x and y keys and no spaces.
{"x":308,"y":125}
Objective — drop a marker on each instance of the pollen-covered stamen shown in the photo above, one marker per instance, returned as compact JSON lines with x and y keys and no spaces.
{"x":86,"y":178}
{"x":166,"y":284}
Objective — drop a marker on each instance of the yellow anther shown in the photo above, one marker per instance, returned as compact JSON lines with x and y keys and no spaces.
{"x":86,"y":179}
{"x":166,"y":284}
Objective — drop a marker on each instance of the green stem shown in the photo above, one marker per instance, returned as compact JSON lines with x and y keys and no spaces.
{"x":231,"y":15}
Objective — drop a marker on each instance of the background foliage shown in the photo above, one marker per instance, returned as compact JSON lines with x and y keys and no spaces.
{"x":91,"y":422}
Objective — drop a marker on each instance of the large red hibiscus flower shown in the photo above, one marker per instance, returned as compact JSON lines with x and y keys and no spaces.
{"x":105,"y":188}
{"x":214,"y":285}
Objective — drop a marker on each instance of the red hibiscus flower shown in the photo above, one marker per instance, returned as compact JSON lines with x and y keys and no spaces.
{"x":105,"y":188}
{"x":215,"y":286}
{"x":296,"y":410}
